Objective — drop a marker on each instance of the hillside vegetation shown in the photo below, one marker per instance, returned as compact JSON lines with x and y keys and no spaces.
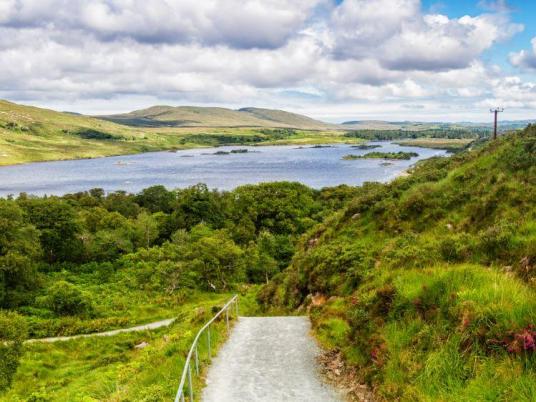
{"x":30,"y":134}
{"x":426,"y":285}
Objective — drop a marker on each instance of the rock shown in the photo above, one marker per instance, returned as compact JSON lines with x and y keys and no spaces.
{"x":312,"y":242}
{"x":356,"y":216}
{"x":141,"y":345}
{"x":319,"y":299}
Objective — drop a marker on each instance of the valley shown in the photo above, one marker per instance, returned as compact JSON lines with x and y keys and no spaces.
{"x":30,"y":134}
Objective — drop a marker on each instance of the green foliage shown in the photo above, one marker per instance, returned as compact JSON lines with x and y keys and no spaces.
{"x":19,"y":247}
{"x":91,"y":134}
{"x":55,"y":220}
{"x":64,"y":298}
{"x":383,"y":135}
{"x":12,"y":333}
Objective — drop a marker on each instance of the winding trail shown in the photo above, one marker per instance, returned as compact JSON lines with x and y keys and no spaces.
{"x":268,"y":359}
{"x":144,"y":327}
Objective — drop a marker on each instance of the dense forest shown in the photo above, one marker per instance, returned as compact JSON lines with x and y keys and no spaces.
{"x":425,"y":285}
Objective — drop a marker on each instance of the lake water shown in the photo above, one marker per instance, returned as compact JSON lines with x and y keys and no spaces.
{"x":315,"y":167}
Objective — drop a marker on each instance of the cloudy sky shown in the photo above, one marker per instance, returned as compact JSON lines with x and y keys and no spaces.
{"x":448,"y":60}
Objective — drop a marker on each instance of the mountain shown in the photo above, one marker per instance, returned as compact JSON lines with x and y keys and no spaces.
{"x":423,"y":288}
{"x":195,"y":116}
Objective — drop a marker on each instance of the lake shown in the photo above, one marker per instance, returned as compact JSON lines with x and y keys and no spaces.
{"x":315,"y":167}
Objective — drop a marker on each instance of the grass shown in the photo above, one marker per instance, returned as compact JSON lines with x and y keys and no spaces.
{"x":114,"y":309}
{"x":111,"y":368}
{"x":431,"y":354}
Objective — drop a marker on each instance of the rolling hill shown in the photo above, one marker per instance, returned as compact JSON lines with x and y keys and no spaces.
{"x":32,"y":134}
{"x":194,"y":116}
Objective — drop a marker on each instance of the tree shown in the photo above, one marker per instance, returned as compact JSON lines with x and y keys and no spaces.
{"x":64,"y":298}
{"x":58,"y":228}
{"x":156,"y":199}
{"x":146,"y":227}
{"x":13,"y":331}
{"x":197,"y":204}
{"x":19,"y":247}
{"x":217,"y":260}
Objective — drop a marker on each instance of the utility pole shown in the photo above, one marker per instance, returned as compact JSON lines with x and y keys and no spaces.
{"x":496,"y":112}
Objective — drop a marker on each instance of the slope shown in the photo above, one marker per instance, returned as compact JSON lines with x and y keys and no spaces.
{"x":192,"y":116}
{"x":429,"y":280}
{"x":33,"y":134}
{"x":280,"y":117}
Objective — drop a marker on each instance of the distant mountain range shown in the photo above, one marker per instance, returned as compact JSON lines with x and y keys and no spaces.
{"x":194,"y":116}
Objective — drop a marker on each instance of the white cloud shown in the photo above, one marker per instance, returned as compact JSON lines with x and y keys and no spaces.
{"x":401,"y":37}
{"x":236,"y":23}
{"x":115,"y":54}
{"x":525,"y":58}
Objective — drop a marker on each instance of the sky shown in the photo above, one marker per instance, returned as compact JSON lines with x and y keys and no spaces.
{"x":335,"y":60}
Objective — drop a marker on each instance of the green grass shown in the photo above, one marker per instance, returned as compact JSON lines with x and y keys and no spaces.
{"x":111,"y":368}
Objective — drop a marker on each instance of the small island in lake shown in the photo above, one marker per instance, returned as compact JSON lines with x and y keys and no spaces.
{"x":239,"y":151}
{"x":382,"y":155}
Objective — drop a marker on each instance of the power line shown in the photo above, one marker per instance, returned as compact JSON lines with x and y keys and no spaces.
{"x":496,"y":112}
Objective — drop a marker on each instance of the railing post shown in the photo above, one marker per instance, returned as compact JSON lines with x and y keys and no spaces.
{"x":196,"y":361}
{"x":194,"y":351}
{"x":208,"y":338}
{"x":190,"y":384}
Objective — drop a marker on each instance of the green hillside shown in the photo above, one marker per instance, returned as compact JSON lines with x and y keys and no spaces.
{"x":280,"y":117}
{"x":426,"y":285}
{"x":193,"y":116}
{"x":31,"y":134}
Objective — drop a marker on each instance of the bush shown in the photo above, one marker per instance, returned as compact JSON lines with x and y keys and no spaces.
{"x":64,"y":298}
{"x":12,"y":333}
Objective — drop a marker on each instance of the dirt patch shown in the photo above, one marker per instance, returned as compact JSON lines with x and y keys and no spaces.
{"x":336,"y":372}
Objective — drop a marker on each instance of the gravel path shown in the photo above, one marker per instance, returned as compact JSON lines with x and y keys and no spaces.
{"x":145,"y":327}
{"x":269,"y":359}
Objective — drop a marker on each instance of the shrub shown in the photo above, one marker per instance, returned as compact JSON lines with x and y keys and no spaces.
{"x":12,"y":332}
{"x":64,"y":298}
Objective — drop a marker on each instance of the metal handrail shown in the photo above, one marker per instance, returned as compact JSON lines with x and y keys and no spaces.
{"x":187,"y":371}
